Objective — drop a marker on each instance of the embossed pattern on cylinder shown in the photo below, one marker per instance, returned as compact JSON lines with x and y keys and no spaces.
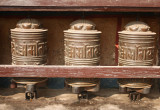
{"x":82,"y":48}
{"x":28,"y":43}
{"x":29,"y":47}
{"x":137,"y":47}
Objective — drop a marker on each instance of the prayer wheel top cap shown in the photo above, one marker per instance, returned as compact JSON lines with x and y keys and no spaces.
{"x":137,"y":27}
{"x":29,"y":24}
{"x":82,"y":26}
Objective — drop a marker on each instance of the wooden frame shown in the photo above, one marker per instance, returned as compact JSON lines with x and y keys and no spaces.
{"x":79,"y":71}
{"x":81,"y":5}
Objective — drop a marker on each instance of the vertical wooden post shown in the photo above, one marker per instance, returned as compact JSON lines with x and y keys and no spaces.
{"x":119,"y":24}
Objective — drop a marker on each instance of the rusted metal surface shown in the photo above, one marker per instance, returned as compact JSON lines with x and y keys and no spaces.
{"x":82,"y":48}
{"x":30,"y":92}
{"x":80,"y":71}
{"x":137,"y":47}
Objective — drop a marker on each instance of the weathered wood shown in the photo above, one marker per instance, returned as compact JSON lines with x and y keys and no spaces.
{"x":81,"y":5}
{"x":95,"y":9}
{"x":80,"y":71}
{"x":70,"y":3}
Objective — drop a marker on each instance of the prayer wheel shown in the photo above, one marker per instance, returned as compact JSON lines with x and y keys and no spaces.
{"x":137,"y":47}
{"x":29,"y":47}
{"x":82,"y":48}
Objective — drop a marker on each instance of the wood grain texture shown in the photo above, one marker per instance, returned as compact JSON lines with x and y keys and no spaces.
{"x":80,"y":5}
{"x":71,"y":3}
{"x":80,"y":71}
{"x":77,"y":9}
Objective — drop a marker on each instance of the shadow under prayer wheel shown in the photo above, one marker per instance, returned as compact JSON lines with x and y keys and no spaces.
{"x":137,"y":47}
{"x":82,"y":48}
{"x":29,"y":47}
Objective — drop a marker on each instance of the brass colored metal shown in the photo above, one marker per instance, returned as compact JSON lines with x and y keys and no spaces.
{"x":82,"y":48}
{"x":137,"y":47}
{"x":29,"y":47}
{"x":81,"y":84}
{"x":29,"y":24}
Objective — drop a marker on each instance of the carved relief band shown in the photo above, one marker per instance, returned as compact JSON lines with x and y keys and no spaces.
{"x":28,"y":43}
{"x":137,"y":47}
{"x":135,"y":51}
{"x":82,"y":47}
{"x":82,"y":51}
{"x":29,"y":47}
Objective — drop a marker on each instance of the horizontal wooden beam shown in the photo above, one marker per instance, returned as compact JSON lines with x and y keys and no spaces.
{"x":77,"y":9}
{"x":71,"y":3}
{"x":81,"y":5}
{"x":80,"y":71}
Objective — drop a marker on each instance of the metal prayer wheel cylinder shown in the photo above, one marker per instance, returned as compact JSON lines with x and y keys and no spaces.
{"x":29,"y":47}
{"x":28,"y":43}
{"x":82,"y":44}
{"x":137,"y":47}
{"x":82,"y":48}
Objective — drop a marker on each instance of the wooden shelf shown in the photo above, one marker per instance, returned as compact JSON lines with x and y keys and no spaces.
{"x":80,"y":71}
{"x":81,"y":5}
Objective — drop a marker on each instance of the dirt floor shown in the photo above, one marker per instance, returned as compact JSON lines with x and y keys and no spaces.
{"x":51,"y":99}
